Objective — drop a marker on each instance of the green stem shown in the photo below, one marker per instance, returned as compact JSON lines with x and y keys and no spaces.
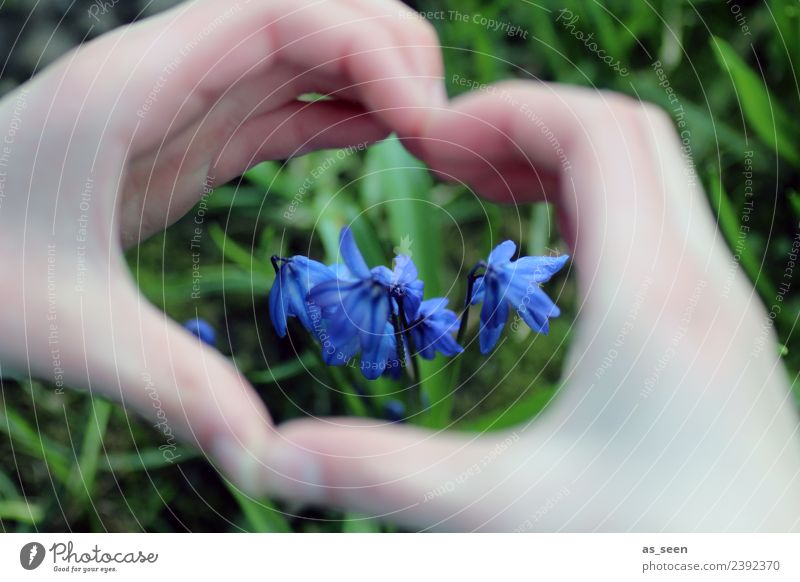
{"x":464,"y":319}
{"x":406,"y":332}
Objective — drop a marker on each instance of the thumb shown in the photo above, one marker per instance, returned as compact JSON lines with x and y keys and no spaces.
{"x":415,"y":477}
{"x":185,"y":388}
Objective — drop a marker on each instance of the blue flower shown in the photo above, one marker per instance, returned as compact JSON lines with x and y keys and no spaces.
{"x":287,"y":298}
{"x":356,"y":307}
{"x":432,"y":328}
{"x":509,"y":284}
{"x":202,"y":330}
{"x":402,"y":282}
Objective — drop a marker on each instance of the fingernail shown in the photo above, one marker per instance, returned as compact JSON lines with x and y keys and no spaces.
{"x":297,"y":473}
{"x":438,"y":93}
{"x":239,"y":464}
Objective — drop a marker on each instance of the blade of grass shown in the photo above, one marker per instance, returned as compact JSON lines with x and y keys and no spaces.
{"x":731,"y":230}
{"x":36,"y":444}
{"x":284,"y":370}
{"x":260,"y":515}
{"x":80,"y":483}
{"x":761,"y":109}
{"x":145,"y":460}
{"x":526,"y":407}
{"x":356,"y":524}
{"x":21,"y":511}
{"x":236,"y":253}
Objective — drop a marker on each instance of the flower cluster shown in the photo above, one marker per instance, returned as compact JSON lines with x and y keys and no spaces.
{"x":381,"y":314}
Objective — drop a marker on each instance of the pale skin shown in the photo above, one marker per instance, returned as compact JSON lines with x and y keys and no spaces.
{"x":687,"y":425}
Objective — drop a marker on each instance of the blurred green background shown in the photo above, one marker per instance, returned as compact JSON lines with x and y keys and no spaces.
{"x":68,"y":462}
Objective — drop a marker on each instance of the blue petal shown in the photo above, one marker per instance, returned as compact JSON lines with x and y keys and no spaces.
{"x":448,"y":346}
{"x":502,"y":253}
{"x":370,"y":313}
{"x":537,"y":311}
{"x":405,"y":271}
{"x":310,"y":272}
{"x":540,"y":269}
{"x":477,"y":291}
{"x":412,"y":297}
{"x":375,"y":359}
{"x":329,"y":295}
{"x":383,"y":275}
{"x":278,"y":306}
{"x":431,"y":307}
{"x":489,"y":337}
{"x":494,"y":312}
{"x":352,"y":256}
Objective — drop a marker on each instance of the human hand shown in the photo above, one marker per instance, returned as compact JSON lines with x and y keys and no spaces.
{"x":122,"y":136}
{"x":675,"y":411}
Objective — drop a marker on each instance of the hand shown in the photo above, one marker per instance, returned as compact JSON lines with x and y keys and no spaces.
{"x":120,"y":138}
{"x":675,"y":411}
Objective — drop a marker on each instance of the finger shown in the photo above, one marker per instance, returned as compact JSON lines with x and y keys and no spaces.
{"x":187,"y":57}
{"x":296,"y":129}
{"x":602,"y":149}
{"x":168,"y":375}
{"x":422,"y":51}
{"x":162,"y":186}
{"x":408,"y":475}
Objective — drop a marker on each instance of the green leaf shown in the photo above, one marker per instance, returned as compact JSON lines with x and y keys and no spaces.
{"x":146,"y":460}
{"x":539,"y":236}
{"x":261,"y":515}
{"x":35,"y":443}
{"x":529,"y":404}
{"x":21,"y":511}
{"x":263,"y":174}
{"x":82,"y":476}
{"x":761,"y":109}
{"x":357,"y":524}
{"x":236,"y":253}
{"x":731,"y":230}
{"x":284,"y":370}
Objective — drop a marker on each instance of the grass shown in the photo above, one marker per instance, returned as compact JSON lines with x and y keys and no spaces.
{"x":72,"y":461}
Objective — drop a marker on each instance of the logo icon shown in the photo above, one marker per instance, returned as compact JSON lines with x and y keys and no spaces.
{"x":31,"y":555}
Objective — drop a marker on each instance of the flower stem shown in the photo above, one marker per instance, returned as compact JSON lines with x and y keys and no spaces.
{"x":464,"y":320}
{"x":276,"y":260}
{"x":406,"y":331}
